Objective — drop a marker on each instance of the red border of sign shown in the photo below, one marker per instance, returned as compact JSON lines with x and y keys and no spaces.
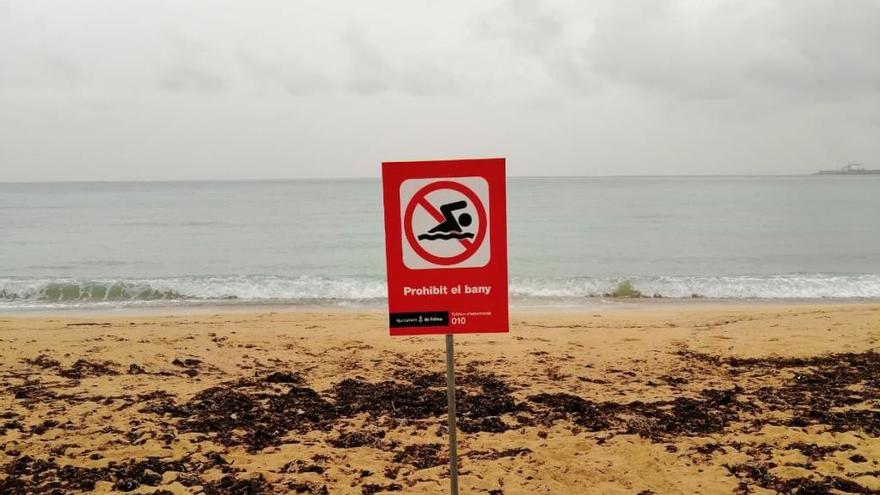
{"x":484,"y":313}
{"x":417,"y":199}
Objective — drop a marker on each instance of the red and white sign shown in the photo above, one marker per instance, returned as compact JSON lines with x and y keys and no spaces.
{"x":446,"y":246}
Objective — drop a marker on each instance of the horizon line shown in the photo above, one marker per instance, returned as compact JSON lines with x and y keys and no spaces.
{"x":306,"y":179}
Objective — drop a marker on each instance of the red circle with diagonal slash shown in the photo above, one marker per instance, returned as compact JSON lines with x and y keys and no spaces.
{"x":419,"y":197}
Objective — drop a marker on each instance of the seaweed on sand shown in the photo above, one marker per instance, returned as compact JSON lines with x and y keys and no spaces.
{"x":254,"y":412}
{"x":839,"y":391}
{"x":26,"y":475}
{"x":230,"y":484}
{"x":759,"y":474}
{"x":399,"y":400}
{"x":83,"y":368}
{"x":422,"y":456}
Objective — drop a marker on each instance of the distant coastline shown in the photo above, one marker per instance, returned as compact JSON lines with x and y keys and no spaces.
{"x":851,"y":169}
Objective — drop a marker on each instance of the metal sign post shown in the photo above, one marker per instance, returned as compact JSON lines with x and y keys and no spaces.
{"x":450,"y":395}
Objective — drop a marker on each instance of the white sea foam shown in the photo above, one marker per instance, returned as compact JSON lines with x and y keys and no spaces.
{"x":809,"y":286}
{"x":35,"y":293}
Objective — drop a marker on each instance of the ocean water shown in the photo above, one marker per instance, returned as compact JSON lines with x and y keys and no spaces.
{"x":321,"y":242}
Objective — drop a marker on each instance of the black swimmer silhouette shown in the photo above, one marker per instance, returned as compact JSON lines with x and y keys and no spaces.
{"x":450,"y":227}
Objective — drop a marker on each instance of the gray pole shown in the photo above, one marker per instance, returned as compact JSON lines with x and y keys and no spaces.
{"x":450,"y":395}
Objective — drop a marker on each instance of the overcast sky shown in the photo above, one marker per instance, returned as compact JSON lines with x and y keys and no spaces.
{"x":119,"y":90}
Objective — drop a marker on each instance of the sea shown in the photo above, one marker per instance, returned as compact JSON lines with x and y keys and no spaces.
{"x":572,"y":240}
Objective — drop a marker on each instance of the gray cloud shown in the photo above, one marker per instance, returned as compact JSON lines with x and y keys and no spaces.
{"x":49,"y":70}
{"x":369,"y":72}
{"x":189,"y":69}
{"x":560,"y":87}
{"x":284,"y":72}
{"x":830,"y":50}
{"x":815,"y":49}
{"x":528,"y":26}
{"x":538,"y":31}
{"x":26,"y":64}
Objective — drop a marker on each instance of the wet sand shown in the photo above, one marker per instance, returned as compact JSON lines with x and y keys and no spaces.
{"x":679,"y":399}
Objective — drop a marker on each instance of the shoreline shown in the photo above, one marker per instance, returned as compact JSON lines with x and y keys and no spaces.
{"x":585,"y":305}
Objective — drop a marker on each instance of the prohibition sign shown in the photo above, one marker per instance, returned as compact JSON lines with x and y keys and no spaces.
{"x":420,"y":199}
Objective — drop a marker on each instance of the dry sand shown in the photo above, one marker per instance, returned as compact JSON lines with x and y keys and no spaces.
{"x":650,"y":399}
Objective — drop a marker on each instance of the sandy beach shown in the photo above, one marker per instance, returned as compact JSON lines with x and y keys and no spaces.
{"x":643,"y":399}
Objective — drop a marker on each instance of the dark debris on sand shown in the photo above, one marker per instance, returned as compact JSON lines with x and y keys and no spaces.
{"x":249,"y":415}
{"x":711,"y":412}
{"x":231,"y":485}
{"x":758,"y":474}
{"x":190,"y":366}
{"x":258,"y":412}
{"x":187,"y":363}
{"x":27,"y":475}
{"x":360,"y":438}
{"x":583,"y":412}
{"x":485,"y":400}
{"x":43,"y":361}
{"x":838,"y":392}
{"x":264,"y":409}
{"x":708,"y":413}
{"x":814,"y":390}
{"x":815,"y":452}
{"x":307,"y":487}
{"x":422,"y":456}
{"x":32,"y":391}
{"x":83,"y":368}
{"x":300,"y":466}
{"x":372,"y":488}
{"x":399,"y":400}
{"x":482,"y":398}
{"x":491,"y":455}
{"x":285,"y":377}
{"x":430,"y":379}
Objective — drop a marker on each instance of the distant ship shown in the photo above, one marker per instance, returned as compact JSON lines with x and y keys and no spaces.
{"x":851,"y":169}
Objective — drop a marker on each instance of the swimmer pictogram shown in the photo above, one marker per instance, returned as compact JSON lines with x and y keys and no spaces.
{"x":450,"y":227}
{"x":445,"y":223}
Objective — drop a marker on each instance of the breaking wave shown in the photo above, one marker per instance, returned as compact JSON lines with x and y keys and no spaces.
{"x":796,"y":286}
{"x":37,"y":293}
{"x":229,"y":289}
